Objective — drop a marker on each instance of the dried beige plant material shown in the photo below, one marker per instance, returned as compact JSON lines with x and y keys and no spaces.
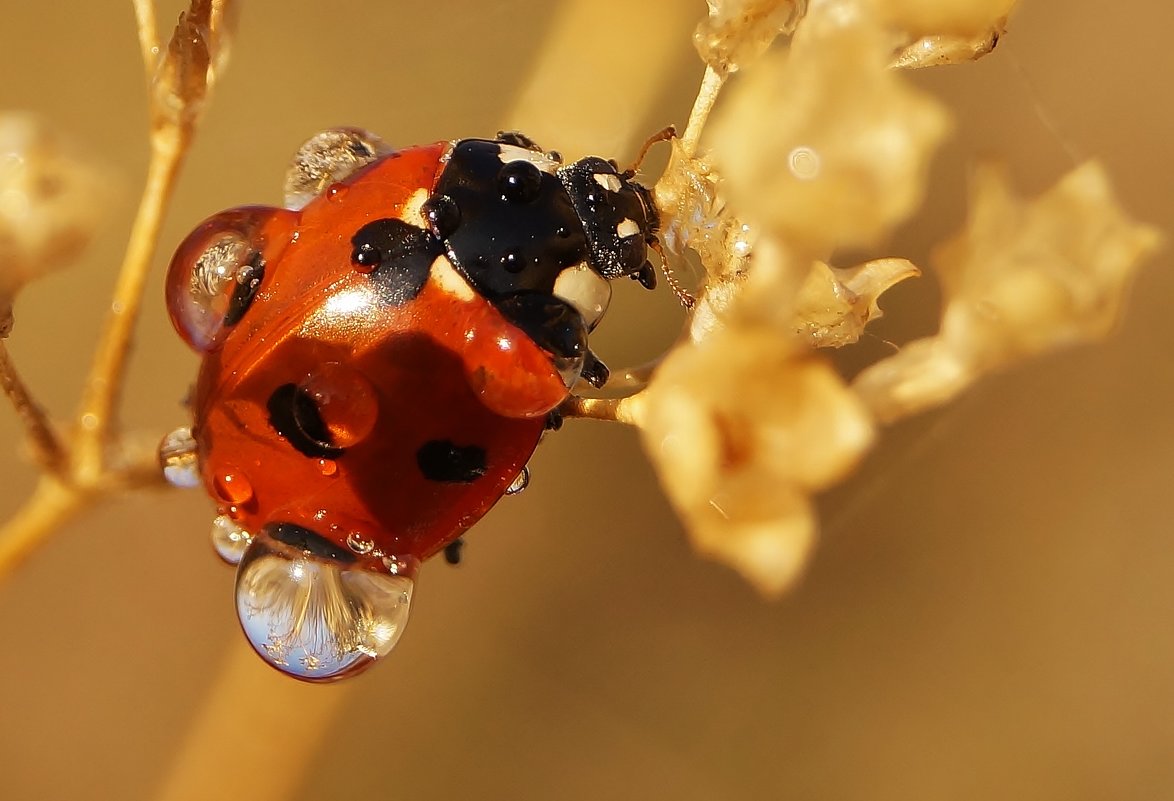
{"x":737,"y":32}
{"x":937,"y":51}
{"x":742,"y":428}
{"x":953,"y":18}
{"x":51,"y":202}
{"x":824,"y":145}
{"x":1022,"y":278}
{"x":835,"y":304}
{"x":195,"y":56}
{"x":696,"y":217}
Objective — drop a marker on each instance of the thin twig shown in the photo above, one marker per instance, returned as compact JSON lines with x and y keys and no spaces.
{"x":627,"y":410}
{"x":49,"y":507}
{"x":149,"y":43}
{"x":711,"y":85}
{"x":96,"y":421}
{"x":46,"y":445}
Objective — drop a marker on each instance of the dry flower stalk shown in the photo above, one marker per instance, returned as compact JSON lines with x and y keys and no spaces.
{"x":90,"y":462}
{"x":822,"y":146}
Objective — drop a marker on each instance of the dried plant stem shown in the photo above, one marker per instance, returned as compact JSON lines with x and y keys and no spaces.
{"x":46,"y":446}
{"x":615,"y":410}
{"x":78,"y":472}
{"x":96,"y":418}
{"x":148,"y":31}
{"x":49,"y":507}
{"x":711,"y":85}
{"x":625,"y":410}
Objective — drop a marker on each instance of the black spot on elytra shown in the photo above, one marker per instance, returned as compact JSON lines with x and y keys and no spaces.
{"x":441,"y":460}
{"x":308,"y":541}
{"x":248,"y":283}
{"x":397,"y":256}
{"x":295,"y":416}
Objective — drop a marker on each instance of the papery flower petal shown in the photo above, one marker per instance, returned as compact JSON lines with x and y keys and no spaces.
{"x":826,"y":146}
{"x":1022,"y":278}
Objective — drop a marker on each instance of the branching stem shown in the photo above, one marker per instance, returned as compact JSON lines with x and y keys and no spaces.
{"x":46,"y":446}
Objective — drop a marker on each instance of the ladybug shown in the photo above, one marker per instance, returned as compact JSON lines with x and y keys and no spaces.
{"x":380,"y":359}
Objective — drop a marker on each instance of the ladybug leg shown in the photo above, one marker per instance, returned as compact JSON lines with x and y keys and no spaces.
{"x":595,"y":372}
{"x":452,"y":551}
{"x":554,"y":420}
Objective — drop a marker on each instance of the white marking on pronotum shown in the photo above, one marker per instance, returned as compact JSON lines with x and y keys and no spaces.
{"x":627,"y":228}
{"x":413,"y":209}
{"x":508,"y":153}
{"x":586,"y":290}
{"x":608,"y":181}
{"x":450,"y":281}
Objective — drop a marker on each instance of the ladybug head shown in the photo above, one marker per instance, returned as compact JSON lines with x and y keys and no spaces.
{"x":617,"y":214}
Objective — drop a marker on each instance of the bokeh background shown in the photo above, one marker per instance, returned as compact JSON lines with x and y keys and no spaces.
{"x":988,"y":614}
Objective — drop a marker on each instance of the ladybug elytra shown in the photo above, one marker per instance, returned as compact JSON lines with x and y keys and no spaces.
{"x":380,"y":360}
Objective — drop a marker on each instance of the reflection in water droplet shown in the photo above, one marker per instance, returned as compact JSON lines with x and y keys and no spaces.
{"x":805,"y":163}
{"x":229,"y":539}
{"x":177,"y":457}
{"x":232,"y":487}
{"x":345,"y":400}
{"x":317,"y":618}
{"x":360,"y":545}
{"x":520,"y":483}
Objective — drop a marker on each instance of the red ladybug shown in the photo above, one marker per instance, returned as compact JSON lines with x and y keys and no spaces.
{"x":380,"y":359}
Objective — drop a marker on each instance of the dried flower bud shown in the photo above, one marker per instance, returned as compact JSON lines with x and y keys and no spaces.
{"x":737,"y":32}
{"x":742,"y":427}
{"x":826,"y":146}
{"x":51,"y":203}
{"x":195,"y":57}
{"x":1021,"y":279}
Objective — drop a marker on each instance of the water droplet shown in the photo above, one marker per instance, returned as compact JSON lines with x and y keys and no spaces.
{"x":318,"y":618}
{"x":177,"y":457}
{"x":232,"y":487}
{"x":217,"y":259}
{"x":345,"y":400}
{"x":520,"y":483}
{"x":360,"y":545}
{"x":229,"y":539}
{"x":328,"y":467}
{"x":805,"y":163}
{"x":327,"y":158}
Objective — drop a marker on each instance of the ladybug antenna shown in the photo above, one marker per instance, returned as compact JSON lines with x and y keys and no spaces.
{"x":663,"y":135}
{"x":683,"y":295}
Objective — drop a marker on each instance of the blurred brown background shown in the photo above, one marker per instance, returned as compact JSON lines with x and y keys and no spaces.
{"x":988,"y":614}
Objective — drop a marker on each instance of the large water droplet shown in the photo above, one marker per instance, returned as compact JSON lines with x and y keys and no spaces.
{"x":345,"y":401}
{"x":218,"y":269}
{"x":177,"y":457}
{"x":315,"y":611}
{"x":329,"y":157}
